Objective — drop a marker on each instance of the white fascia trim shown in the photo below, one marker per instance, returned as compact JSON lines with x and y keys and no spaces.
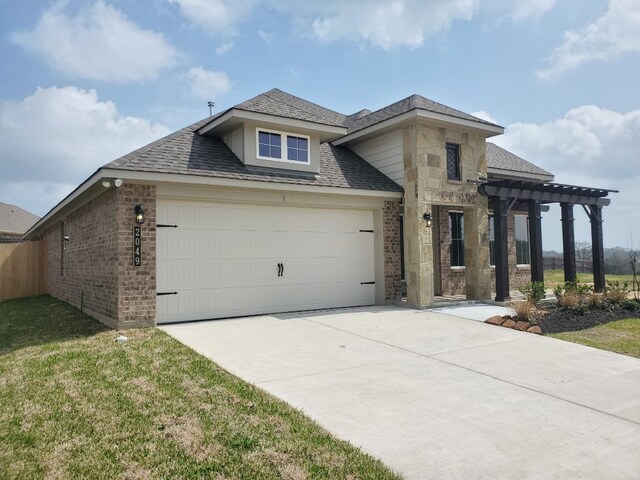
{"x":154,"y":178}
{"x":151,"y":177}
{"x":80,"y":189}
{"x":274,"y":119}
{"x":422,"y":114}
{"x":514,"y":174}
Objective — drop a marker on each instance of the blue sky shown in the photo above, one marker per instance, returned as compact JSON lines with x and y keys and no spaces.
{"x":85,"y":82}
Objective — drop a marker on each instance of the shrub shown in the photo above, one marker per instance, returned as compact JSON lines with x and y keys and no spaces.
{"x":570,"y":300}
{"x":595,"y":300}
{"x":526,"y":311}
{"x":584,"y":290}
{"x":533,"y":291}
{"x":616,"y":292}
{"x":573,"y":294}
{"x":579,"y":309}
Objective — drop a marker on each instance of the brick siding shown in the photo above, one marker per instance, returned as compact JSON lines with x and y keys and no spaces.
{"x":391,"y":235}
{"x":453,"y":279}
{"x":97,"y":274}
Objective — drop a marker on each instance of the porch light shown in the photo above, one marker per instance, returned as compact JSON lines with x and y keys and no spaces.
{"x":427,"y":218}
{"x":139,"y":214}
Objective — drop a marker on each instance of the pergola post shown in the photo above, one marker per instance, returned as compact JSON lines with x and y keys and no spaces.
{"x":568,"y":242}
{"x":597,"y":247}
{"x":535,"y":241}
{"x":499,"y":206}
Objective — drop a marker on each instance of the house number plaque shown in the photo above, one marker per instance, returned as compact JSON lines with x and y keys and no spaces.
{"x":137,"y":246}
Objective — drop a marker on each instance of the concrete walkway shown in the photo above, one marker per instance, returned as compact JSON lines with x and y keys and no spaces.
{"x":436,"y":396}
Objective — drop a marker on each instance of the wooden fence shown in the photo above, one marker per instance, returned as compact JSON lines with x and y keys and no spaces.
{"x":557,"y":263}
{"x":23,"y":269}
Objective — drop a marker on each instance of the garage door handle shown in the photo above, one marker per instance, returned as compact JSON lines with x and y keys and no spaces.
{"x":159,"y":294}
{"x":279,"y":269}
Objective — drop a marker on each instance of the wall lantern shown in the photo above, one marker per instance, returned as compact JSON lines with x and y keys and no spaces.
{"x":427,"y":218}
{"x":139,"y":214}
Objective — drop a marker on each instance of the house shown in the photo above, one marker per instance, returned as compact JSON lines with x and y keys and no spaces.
{"x":278,"y":204}
{"x":14,"y":222}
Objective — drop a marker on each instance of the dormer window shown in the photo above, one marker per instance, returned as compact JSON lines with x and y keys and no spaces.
{"x":282,"y":147}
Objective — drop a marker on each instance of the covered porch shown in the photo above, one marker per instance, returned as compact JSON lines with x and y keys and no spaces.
{"x":504,"y":195}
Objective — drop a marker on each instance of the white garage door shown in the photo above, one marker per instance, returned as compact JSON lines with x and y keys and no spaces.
{"x":222,"y":260}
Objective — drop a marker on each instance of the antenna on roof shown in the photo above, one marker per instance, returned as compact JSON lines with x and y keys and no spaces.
{"x":210,"y":105}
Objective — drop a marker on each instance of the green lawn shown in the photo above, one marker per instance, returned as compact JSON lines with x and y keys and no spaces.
{"x":76,"y":404}
{"x":621,"y":336}
{"x":554,"y":277}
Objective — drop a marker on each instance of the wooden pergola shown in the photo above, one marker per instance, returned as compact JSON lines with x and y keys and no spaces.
{"x":504,"y":194}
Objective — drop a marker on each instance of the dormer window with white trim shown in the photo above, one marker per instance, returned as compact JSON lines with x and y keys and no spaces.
{"x":270,"y":146}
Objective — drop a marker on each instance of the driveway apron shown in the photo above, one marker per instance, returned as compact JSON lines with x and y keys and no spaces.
{"x":437,"y":396}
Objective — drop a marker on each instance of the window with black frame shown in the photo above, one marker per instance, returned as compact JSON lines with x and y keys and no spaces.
{"x":453,"y":161}
{"x":492,"y":242}
{"x":456,"y":247}
{"x":522,"y":240}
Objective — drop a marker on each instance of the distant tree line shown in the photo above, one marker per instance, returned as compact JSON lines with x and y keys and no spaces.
{"x":617,"y":260}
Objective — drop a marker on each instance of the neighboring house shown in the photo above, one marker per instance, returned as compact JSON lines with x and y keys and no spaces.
{"x":278,"y":204}
{"x":14,"y":222}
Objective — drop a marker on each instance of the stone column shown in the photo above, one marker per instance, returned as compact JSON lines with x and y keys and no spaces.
{"x":476,"y":251}
{"x":417,"y":236}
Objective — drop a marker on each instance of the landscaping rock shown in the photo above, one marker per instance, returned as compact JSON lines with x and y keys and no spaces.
{"x":495,"y":320}
{"x":509,"y":323}
{"x":535,"y":329}
{"x":523,"y":326}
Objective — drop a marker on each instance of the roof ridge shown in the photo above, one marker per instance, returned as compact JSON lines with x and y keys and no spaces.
{"x":301,"y":99}
{"x":454,"y":109}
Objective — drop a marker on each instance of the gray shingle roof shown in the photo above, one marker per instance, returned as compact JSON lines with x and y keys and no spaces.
{"x":414,"y":102}
{"x":189,"y":153}
{"x":282,"y":104}
{"x":498,"y":157}
{"x":14,"y":219}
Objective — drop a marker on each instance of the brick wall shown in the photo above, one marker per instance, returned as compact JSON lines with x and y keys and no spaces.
{"x":391,"y":234}
{"x":137,"y":285}
{"x":86,"y":274}
{"x":96,"y":271}
{"x":518,"y":276}
{"x":453,"y":279}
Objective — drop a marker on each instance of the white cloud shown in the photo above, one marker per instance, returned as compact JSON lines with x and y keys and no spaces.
{"x":224,"y":48}
{"x":215,"y":14}
{"x":524,"y":9}
{"x":387,"y":24}
{"x":56,"y":137}
{"x":587,"y":138}
{"x":590,"y":146}
{"x":483,"y":115}
{"x":99,"y":43}
{"x":383,"y":23}
{"x":609,"y":37}
{"x":207,"y":84}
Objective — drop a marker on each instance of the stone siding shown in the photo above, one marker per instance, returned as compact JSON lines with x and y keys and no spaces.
{"x":94,"y":272}
{"x":427,"y":186}
{"x":392,"y":267}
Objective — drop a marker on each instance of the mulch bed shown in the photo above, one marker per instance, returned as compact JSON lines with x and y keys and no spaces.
{"x":559,"y":320}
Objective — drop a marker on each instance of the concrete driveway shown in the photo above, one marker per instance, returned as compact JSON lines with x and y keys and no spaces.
{"x":436,"y":396}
